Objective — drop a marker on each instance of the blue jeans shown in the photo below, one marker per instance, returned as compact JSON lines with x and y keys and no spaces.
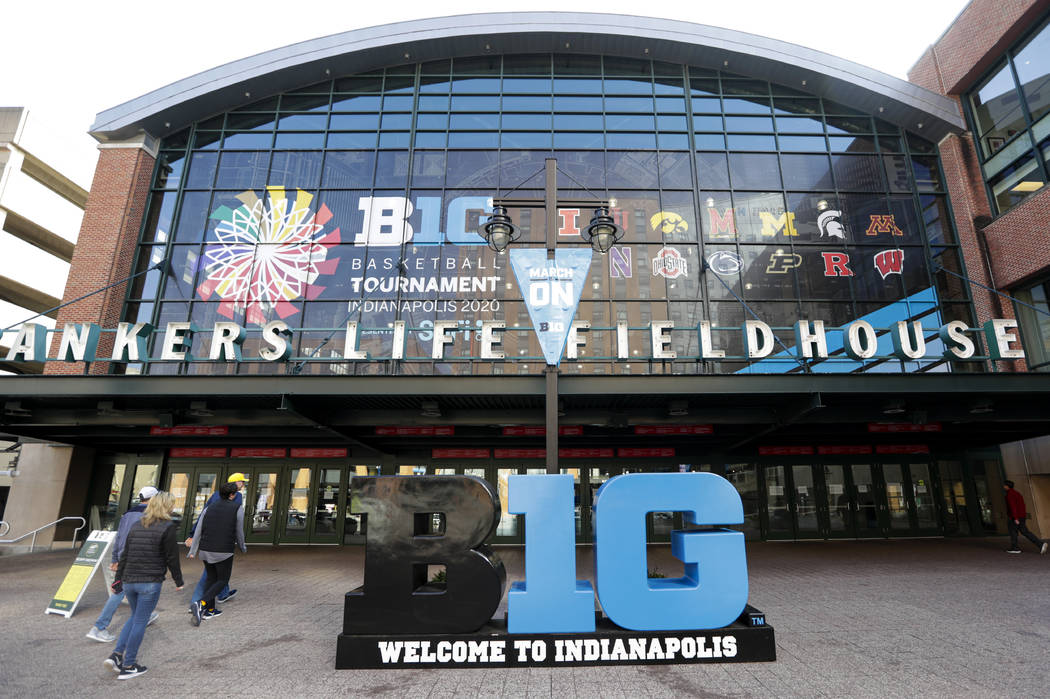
{"x":108,"y":611}
{"x":143,"y":600}
{"x":198,"y":592}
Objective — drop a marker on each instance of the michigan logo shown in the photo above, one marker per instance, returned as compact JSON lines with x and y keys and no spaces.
{"x":889,"y":262}
{"x":668,"y":222}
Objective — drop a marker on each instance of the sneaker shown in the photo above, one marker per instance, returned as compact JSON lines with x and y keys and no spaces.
{"x":211,"y":613}
{"x":100,"y":635}
{"x":228,"y":597}
{"x":115,"y":660}
{"x":196,"y":610}
{"x":153,"y":616}
{"x":129,"y":671}
{"x":1013,"y":550}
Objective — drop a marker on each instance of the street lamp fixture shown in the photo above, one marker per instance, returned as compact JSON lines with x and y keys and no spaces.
{"x":602,"y":233}
{"x":499,"y":231}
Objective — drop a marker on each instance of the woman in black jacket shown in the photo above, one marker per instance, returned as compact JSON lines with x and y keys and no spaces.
{"x":219,"y":529}
{"x":150,"y":548}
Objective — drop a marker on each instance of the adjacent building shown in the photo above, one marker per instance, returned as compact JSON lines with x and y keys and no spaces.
{"x":798,"y":302}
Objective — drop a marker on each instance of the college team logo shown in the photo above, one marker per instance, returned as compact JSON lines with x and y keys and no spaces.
{"x":836,"y":264}
{"x":725,"y":262}
{"x":889,"y":262}
{"x":267,"y":253}
{"x":620,"y":266}
{"x":669,"y":263}
{"x":830,"y":224}
{"x":781,"y":262}
{"x":882,"y":223}
{"x":668,"y":222}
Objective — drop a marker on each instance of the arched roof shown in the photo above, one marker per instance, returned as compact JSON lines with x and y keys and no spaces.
{"x":225,"y":87}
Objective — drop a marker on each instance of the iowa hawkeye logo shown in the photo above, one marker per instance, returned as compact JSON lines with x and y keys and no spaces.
{"x":889,"y":262}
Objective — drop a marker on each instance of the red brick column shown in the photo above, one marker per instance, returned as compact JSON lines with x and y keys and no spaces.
{"x":105,"y":250}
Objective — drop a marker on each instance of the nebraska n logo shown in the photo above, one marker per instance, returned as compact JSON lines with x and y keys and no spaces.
{"x":882,"y":223}
{"x":889,"y":262}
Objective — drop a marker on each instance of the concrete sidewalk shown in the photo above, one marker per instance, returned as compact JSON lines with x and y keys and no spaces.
{"x":930,"y":617}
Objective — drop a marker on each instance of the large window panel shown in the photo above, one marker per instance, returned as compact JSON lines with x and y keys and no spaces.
{"x":754,"y":171}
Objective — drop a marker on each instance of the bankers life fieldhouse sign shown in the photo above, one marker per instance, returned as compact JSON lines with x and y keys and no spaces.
{"x":402,"y":617}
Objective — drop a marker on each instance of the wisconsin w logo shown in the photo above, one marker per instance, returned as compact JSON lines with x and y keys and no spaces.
{"x":889,"y":262}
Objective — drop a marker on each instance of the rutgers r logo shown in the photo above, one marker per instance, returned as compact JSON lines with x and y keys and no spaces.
{"x":836,"y":264}
{"x":780,"y":262}
{"x":889,"y":262}
{"x":882,"y":223}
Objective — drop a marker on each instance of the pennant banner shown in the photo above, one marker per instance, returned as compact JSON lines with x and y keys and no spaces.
{"x":551,"y":289}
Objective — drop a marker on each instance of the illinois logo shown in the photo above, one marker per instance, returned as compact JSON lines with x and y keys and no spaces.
{"x":669,"y":263}
{"x":668,"y":222}
{"x":889,"y":262}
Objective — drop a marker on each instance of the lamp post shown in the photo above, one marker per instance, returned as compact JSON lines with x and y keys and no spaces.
{"x":602,"y":233}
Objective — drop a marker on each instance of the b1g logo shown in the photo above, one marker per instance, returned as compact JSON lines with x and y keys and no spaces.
{"x":395,"y":597}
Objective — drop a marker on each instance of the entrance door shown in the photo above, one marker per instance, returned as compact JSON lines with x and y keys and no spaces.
{"x":866,"y":502}
{"x":794,"y":503}
{"x":260,"y":504}
{"x":923,"y":504}
{"x":191,"y":486}
{"x":311,"y":498}
{"x":841,"y":507}
{"x":296,"y":489}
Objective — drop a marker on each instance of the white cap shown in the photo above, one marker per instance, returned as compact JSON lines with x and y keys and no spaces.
{"x":147,"y":492}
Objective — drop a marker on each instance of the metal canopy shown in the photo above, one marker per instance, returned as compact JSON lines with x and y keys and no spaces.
{"x":116,"y":412}
{"x":171,"y":108}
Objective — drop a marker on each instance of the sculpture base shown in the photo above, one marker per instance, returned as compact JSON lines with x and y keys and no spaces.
{"x":492,"y":646}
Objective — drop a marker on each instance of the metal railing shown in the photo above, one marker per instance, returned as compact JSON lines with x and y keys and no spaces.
{"x":32,"y":545}
{"x":4,"y":527}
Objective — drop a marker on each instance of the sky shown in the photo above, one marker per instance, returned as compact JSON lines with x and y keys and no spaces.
{"x":67,"y":62}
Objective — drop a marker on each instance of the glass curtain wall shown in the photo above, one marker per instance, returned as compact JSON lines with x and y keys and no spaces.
{"x":358,"y":199}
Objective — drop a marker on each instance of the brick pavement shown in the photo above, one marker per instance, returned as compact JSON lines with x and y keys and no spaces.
{"x":928,"y":617}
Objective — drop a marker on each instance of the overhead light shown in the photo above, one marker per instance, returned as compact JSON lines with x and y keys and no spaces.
{"x":199,"y":408}
{"x":602,"y":233}
{"x":678,"y":408}
{"x":893,"y":408}
{"x":499,"y":231}
{"x":822,"y":205}
{"x":430,"y":408}
{"x":981,"y":408}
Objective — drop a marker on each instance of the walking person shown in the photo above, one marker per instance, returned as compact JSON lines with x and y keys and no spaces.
{"x":151,"y":548}
{"x":219,"y":529}
{"x":240,"y":480}
{"x":1015,"y":519}
{"x":98,"y":630}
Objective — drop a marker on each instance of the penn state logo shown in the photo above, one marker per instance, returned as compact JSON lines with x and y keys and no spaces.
{"x":725,"y":262}
{"x":889,"y":262}
{"x":668,"y":222}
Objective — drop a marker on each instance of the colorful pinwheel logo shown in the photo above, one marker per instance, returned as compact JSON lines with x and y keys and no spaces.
{"x":268,"y":252}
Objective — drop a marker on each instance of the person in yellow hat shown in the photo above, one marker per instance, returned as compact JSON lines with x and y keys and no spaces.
{"x":226,"y":594}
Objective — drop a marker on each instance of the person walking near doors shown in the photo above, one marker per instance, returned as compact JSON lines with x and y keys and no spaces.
{"x":1015,"y":519}
{"x":219,"y":529}
{"x":239,"y":479}
{"x":98,"y":630}
{"x":150,"y":550}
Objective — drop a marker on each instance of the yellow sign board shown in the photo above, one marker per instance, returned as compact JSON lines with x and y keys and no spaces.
{"x":91,"y":554}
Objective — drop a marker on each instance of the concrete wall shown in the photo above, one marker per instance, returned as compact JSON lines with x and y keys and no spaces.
{"x":1027,"y":464}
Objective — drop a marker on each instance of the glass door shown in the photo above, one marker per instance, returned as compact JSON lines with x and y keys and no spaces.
{"x":953,"y":498}
{"x":898,"y":515}
{"x":779,"y":519}
{"x":260,"y":504}
{"x":745,"y":480}
{"x":923,"y":504}
{"x":807,"y":502}
{"x":327,"y":505}
{"x":191,"y":486}
{"x":868,"y":504}
{"x":355,"y":523}
{"x":841,"y":507}
{"x":294,"y":512}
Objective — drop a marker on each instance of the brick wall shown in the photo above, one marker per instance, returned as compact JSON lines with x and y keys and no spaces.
{"x":1019,"y":241}
{"x":105,"y":250}
{"x":977,"y":38}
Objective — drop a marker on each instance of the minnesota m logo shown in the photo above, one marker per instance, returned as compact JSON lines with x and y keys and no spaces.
{"x":883,"y":223}
{"x":771,"y":226}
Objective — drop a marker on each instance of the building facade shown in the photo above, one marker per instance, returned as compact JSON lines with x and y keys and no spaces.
{"x":792,"y":304}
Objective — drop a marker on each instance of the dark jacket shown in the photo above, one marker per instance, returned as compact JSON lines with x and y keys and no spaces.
{"x":1015,"y":505}
{"x":215,"y":497}
{"x":130,"y":517}
{"x":147,"y":552}
{"x":219,"y":525}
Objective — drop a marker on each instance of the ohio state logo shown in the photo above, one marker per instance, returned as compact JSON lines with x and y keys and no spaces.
{"x":669,"y":263}
{"x":889,"y":262}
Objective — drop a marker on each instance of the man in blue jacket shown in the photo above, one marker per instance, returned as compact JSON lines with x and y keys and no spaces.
{"x":98,"y":629}
{"x":240,"y":479}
